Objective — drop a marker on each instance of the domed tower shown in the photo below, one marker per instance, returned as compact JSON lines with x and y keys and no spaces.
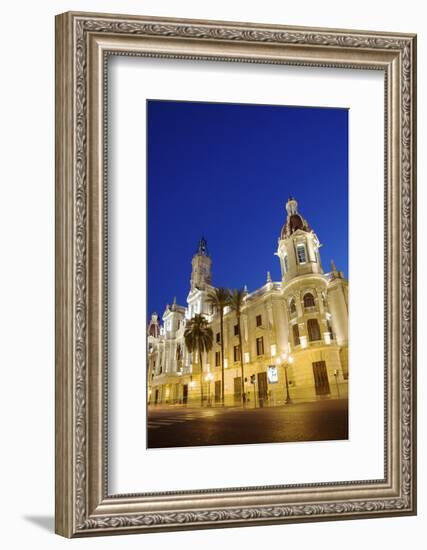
{"x":154,"y":326}
{"x":298,"y":246}
{"x":304,"y":285}
{"x":312,"y":345}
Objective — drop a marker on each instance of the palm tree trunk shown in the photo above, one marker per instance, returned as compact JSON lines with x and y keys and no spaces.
{"x":222,"y":356}
{"x":201,"y":378}
{"x":241,"y":360}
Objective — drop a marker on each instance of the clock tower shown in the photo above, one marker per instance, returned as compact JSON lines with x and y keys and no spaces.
{"x":200,"y":282}
{"x":201,"y":263}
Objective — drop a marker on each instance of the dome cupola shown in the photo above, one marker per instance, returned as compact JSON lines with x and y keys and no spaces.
{"x":294,"y":220}
{"x":298,"y":245}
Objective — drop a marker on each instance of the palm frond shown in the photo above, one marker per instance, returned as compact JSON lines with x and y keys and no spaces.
{"x":219,"y":298}
{"x":198,"y":335}
{"x":237,"y":296}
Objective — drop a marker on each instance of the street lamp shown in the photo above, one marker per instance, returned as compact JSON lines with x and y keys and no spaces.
{"x":208,"y":379}
{"x":336,"y":382}
{"x":286,"y":361}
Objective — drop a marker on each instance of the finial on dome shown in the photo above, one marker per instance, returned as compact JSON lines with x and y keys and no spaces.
{"x":269,"y":277}
{"x":292,"y":206}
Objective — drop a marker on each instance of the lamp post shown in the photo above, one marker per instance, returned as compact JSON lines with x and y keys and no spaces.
{"x":336,"y":382}
{"x":208,"y":379}
{"x":192,"y":384}
{"x":286,"y":361}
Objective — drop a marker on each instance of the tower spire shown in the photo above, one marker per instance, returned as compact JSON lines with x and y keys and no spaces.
{"x":202,"y":249}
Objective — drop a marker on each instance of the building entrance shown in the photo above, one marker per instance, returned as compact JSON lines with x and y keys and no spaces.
{"x":262,"y":388}
{"x":321,"y":378}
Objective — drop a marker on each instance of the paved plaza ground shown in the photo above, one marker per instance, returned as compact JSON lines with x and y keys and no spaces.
{"x":182,"y":426}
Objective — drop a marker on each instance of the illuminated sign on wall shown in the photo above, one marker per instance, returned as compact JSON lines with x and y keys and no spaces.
{"x":272,"y":374}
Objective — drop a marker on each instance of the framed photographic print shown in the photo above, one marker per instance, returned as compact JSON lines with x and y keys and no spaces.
{"x":235,"y":274}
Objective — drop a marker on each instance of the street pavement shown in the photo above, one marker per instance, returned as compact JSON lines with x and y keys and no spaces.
{"x":181,"y":426}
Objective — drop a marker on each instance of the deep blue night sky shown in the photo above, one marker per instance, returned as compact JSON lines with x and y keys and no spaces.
{"x":225,"y":171}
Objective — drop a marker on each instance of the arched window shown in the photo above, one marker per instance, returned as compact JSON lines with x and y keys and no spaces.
{"x":295,"y":332}
{"x":313,"y":330}
{"x":309,"y":300}
{"x":292,"y":306}
{"x":301,"y":255}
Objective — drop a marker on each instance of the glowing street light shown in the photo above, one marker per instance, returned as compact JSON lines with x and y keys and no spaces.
{"x":336,"y":381}
{"x":208,"y":378}
{"x":287,"y":360}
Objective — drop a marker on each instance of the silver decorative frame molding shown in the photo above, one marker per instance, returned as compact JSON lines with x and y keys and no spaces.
{"x":83,"y":43}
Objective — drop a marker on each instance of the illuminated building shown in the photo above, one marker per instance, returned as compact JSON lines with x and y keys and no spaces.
{"x":295,"y":329}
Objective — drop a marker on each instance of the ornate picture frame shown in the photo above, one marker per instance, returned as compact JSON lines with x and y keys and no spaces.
{"x":84,"y":506}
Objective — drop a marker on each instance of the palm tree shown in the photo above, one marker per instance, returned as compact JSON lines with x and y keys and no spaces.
{"x":236,"y":303}
{"x":198,"y":336}
{"x":219,"y":298}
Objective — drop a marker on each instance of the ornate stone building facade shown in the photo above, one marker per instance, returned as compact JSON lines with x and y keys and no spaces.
{"x":294,"y":333}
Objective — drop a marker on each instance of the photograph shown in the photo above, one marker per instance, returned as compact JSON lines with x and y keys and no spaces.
{"x":219,"y":185}
{"x":247,"y":274}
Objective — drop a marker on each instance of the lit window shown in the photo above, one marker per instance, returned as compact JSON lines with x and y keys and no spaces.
{"x":313,"y":330}
{"x":301,"y":254}
{"x":309,"y":300}
{"x":260,"y":346}
{"x":295,"y":332}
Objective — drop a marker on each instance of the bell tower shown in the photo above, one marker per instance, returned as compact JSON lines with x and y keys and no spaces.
{"x":201,"y":273}
{"x":201,"y":281}
{"x":298,"y":245}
